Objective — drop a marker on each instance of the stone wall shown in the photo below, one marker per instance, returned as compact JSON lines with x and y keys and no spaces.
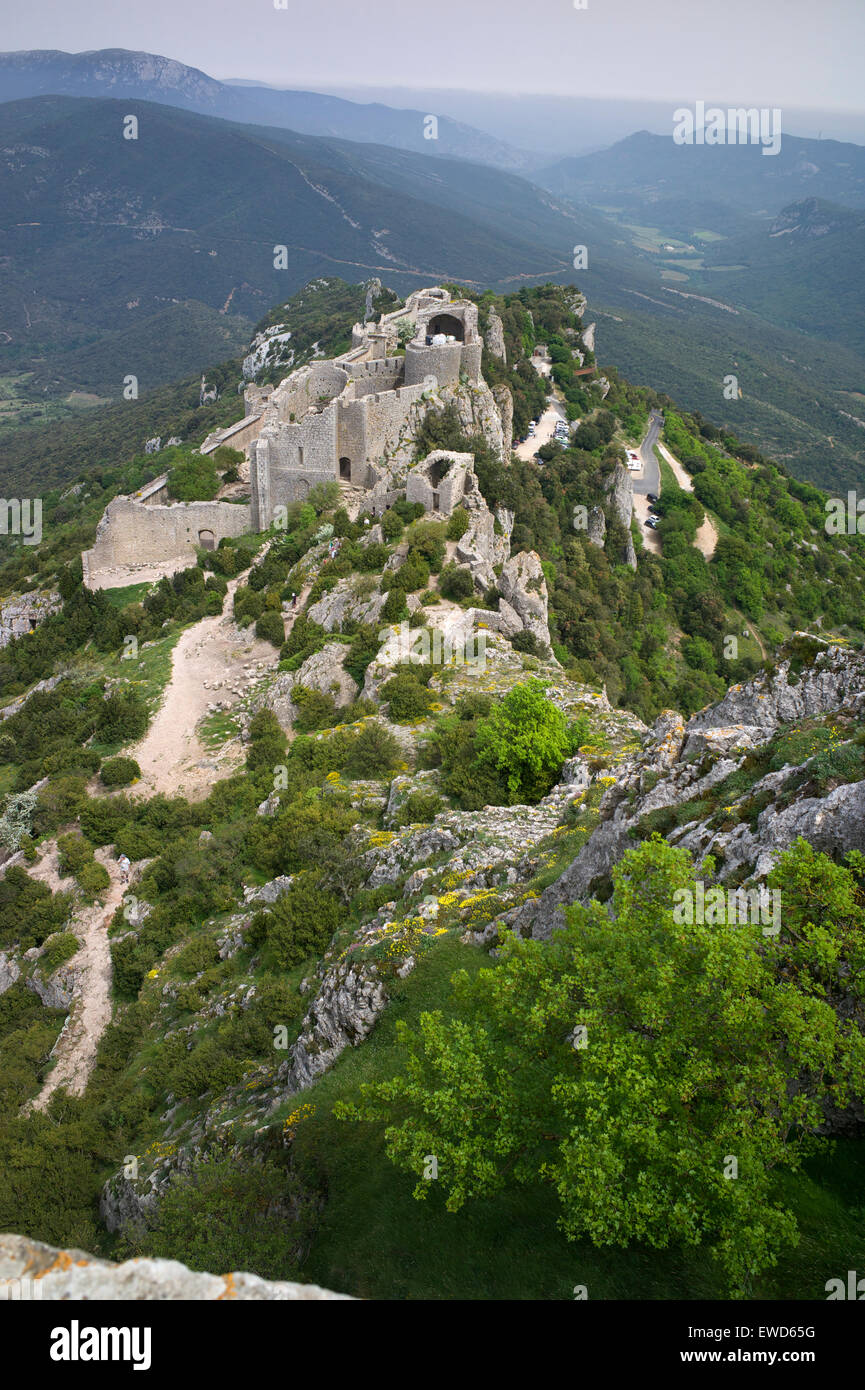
{"x":132,"y":533}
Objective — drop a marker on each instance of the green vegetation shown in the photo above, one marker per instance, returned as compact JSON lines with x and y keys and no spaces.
{"x":687,"y":1042}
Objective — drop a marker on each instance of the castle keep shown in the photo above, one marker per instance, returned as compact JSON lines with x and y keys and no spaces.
{"x":341,"y":419}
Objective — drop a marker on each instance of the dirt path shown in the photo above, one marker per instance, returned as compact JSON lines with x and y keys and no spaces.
{"x":90,"y":1013}
{"x":707,"y":534}
{"x":212,"y":661}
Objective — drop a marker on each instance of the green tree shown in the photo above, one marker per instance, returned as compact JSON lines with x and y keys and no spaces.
{"x":525,"y":738}
{"x":628,"y":1058}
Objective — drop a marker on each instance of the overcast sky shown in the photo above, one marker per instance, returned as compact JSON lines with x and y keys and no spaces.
{"x":770,"y":52}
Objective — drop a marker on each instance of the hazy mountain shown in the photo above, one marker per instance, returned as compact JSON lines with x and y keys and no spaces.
{"x":101,"y":233}
{"x":802,"y":269}
{"x":121,"y":73}
{"x":645,"y":171}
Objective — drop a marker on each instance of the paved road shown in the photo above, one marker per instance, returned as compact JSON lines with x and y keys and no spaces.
{"x":650,"y":479}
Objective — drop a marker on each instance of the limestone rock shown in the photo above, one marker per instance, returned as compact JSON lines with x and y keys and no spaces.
{"x":341,"y":1015}
{"x":323,"y":671}
{"x":524,"y":588}
{"x":597,"y":531}
{"x":347,"y":602}
{"x":495,"y":336}
{"x":621,"y":490}
{"x":74,"y":1276}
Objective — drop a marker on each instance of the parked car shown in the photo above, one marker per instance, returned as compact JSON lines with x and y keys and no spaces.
{"x":651,"y":497}
{"x":651,"y":523}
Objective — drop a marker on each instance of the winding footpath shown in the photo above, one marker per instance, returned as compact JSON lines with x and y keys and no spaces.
{"x":90,"y":1012}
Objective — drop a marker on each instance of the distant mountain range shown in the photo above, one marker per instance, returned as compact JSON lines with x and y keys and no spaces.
{"x":644,"y":171}
{"x":99,"y":234}
{"x":120,"y":73}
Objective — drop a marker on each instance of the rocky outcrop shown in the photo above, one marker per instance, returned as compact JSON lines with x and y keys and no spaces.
{"x":10,"y":972}
{"x":834,"y":678}
{"x":681,"y":762}
{"x":323,"y":671}
{"x":524,"y":588}
{"x":19,"y":616}
{"x":487,"y":541}
{"x":344,"y":1011}
{"x":495,"y":336}
{"x":597,"y":529}
{"x":621,"y":490}
{"x":76,"y":1277}
{"x":505,"y":402}
{"x":348,"y":602}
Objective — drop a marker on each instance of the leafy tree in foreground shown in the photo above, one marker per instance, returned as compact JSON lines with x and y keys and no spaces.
{"x":696,"y":1042}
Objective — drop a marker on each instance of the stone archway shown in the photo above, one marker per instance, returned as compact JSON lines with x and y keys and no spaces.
{"x":345,"y":470}
{"x":448,"y":324}
{"x":207,"y":540}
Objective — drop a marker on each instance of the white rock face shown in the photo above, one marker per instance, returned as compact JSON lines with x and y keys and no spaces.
{"x":322,"y":671}
{"x":344,"y":1011}
{"x":75,"y":1276}
{"x":524,"y":588}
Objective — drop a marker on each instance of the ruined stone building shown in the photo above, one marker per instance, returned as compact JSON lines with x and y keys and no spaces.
{"x":352,"y":419}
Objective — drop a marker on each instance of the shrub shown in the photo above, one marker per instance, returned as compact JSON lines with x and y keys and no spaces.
{"x":526,"y":739}
{"x":527,"y":642}
{"x":93,"y":879}
{"x":59,"y":948}
{"x":119,"y":772}
{"x":364,"y":648}
{"x":395,"y":608}
{"x":301,"y":923}
{"x":455,"y":582}
{"x":412,"y":574}
{"x":391,"y":525}
{"x":458,"y":524}
{"x":419,"y":808}
{"x":407,"y":696}
{"x":317,"y":709}
{"x":123,"y":718}
{"x":374,"y":752}
{"x":197,"y":955}
{"x":271,"y":628}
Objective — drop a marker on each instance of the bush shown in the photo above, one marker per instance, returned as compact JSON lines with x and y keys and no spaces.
{"x":93,"y":879}
{"x":412,"y":574}
{"x":526,"y":739}
{"x":271,"y":628}
{"x":317,"y":709}
{"x":455,"y":582}
{"x":458,"y":524}
{"x":391,"y":525}
{"x":395,"y":607}
{"x":123,"y":718}
{"x":59,"y":948}
{"x":419,"y":808}
{"x":301,"y":923}
{"x":374,"y":752}
{"x":119,"y":772}
{"x":528,"y":643}
{"x":408,"y":698}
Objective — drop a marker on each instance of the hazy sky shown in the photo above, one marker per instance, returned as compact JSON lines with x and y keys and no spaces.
{"x":770,"y":52}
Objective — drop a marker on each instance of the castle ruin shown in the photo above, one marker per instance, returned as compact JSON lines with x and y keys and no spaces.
{"x":351,"y":419}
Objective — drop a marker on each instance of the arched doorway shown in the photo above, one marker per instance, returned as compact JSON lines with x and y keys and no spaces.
{"x":448,"y":324}
{"x":207,"y":540}
{"x":345,"y":469}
